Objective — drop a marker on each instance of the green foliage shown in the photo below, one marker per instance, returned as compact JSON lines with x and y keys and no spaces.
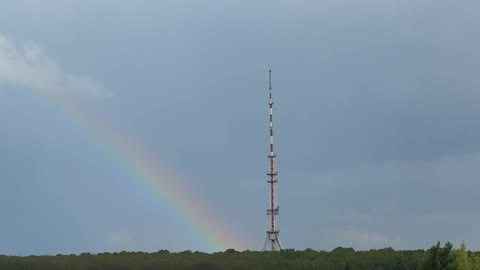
{"x":445,"y":258}
{"x":474,"y":261}
{"x":340,"y":258}
{"x":461,"y":261}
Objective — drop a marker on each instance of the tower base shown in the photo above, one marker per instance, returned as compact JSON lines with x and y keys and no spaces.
{"x":273,"y":239}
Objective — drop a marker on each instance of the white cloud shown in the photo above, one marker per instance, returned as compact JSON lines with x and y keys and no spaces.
{"x":28,"y":65}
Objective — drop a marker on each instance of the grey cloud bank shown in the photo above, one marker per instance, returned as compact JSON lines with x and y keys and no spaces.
{"x":376,"y":120}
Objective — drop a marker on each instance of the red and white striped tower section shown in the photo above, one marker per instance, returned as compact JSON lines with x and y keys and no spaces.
{"x":273,"y":234}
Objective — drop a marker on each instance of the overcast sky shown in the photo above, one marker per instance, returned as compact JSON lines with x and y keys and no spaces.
{"x":376,"y":117}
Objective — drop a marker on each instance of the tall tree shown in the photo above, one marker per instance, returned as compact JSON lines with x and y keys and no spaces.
{"x":440,"y":258}
{"x":461,"y":258}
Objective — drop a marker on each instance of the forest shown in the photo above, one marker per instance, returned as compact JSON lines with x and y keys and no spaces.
{"x":436,"y":258}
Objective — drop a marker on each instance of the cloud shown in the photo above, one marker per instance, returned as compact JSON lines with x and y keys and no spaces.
{"x":365,"y":240}
{"x":146,"y":238}
{"x":423,"y":201}
{"x":404,"y":204}
{"x":409,"y":186}
{"x":120,"y":240}
{"x":28,"y":65}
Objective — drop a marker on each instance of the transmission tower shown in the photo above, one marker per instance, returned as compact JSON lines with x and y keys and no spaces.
{"x":273,"y":234}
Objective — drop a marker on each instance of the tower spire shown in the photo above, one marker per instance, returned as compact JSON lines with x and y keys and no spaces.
{"x":273,"y":234}
{"x":270,"y":79}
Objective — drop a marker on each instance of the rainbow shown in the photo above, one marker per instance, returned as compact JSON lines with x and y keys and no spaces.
{"x":146,"y":171}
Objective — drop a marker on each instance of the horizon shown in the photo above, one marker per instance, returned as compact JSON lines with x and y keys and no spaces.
{"x":228,"y":250}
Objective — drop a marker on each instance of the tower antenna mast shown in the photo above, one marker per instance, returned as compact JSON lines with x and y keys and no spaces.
{"x":273,"y":234}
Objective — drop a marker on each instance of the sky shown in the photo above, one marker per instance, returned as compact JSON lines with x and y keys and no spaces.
{"x":376,"y":131}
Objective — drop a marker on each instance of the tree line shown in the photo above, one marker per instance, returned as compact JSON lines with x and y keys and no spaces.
{"x":436,"y":258}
